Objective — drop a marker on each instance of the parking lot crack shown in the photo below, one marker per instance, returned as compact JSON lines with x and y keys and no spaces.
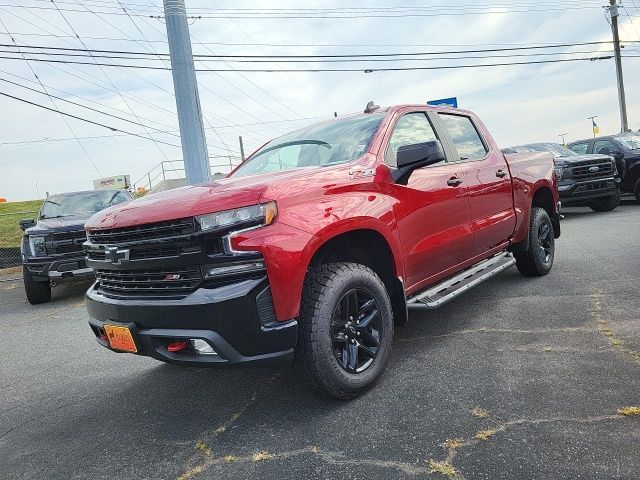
{"x":603,"y":326}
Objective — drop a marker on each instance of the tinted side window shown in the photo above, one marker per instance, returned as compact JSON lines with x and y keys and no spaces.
{"x":604,"y":147}
{"x":464,"y":136}
{"x":412,"y":128}
{"x":579,"y":148}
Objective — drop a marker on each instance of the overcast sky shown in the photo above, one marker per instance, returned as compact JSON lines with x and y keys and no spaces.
{"x":519,"y":104}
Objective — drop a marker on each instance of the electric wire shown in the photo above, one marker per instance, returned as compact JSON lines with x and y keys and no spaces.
{"x":82,"y":147}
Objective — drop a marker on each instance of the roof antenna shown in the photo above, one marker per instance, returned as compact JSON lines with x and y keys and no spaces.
{"x":371,"y":107}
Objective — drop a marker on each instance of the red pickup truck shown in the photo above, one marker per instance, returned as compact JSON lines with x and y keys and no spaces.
{"x":316,"y":247}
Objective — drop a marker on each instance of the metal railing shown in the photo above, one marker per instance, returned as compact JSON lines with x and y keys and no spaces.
{"x":167,"y":170}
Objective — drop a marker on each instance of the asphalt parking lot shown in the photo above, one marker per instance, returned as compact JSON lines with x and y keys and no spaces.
{"x":518,"y":378}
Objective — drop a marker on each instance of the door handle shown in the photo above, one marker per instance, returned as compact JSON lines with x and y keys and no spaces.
{"x":501,"y":173}
{"x":454,"y":182}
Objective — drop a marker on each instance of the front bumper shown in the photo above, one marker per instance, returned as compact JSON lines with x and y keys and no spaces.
{"x":579,"y":192}
{"x":60,"y":267}
{"x":236,"y":320}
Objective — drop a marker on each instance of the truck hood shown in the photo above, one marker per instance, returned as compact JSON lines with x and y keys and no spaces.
{"x":57,"y":225}
{"x":223,"y":194}
{"x":580,"y":158}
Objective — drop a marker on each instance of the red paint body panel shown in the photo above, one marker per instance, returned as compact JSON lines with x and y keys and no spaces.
{"x":432,"y":229}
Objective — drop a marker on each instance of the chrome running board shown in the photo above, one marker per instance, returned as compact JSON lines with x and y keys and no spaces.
{"x":450,"y":288}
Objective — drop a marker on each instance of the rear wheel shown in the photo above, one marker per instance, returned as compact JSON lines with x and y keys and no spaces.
{"x":606,"y":204}
{"x":346,"y":329}
{"x":37,"y":292}
{"x":636,"y":191}
{"x":538,"y":259}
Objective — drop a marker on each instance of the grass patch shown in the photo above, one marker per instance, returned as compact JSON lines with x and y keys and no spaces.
{"x":442,"y":468}
{"x":10,"y":233}
{"x":202,"y":447}
{"x":485,"y":434}
{"x":629,"y":411}
{"x":230,"y":458}
{"x":479,"y":412}
{"x":452,"y":443}
{"x":260,"y":456}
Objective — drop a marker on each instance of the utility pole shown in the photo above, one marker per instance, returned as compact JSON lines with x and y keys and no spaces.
{"x":241,"y":148}
{"x":613,"y":10}
{"x":192,"y":137}
{"x":562,"y":135}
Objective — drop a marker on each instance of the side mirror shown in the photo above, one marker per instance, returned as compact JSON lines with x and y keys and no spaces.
{"x":410,"y":157}
{"x":27,"y":223}
{"x":617,"y":155}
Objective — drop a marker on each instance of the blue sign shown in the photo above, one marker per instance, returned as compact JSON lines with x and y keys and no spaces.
{"x":448,"y":102}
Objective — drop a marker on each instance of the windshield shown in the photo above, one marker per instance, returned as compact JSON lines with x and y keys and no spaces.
{"x":632,"y":142}
{"x":80,"y":203}
{"x":320,"y":145}
{"x":555,"y":149}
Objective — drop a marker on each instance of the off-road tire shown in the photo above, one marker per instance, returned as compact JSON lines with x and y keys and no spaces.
{"x":37,"y":292}
{"x":532,"y":262}
{"x":636,"y":191}
{"x":606,"y":204}
{"x":315,"y":359}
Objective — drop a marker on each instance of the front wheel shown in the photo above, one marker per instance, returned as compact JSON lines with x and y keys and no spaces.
{"x":346,"y":329}
{"x":606,"y":204}
{"x":37,"y":292}
{"x":538,"y":259}
{"x":636,"y":191}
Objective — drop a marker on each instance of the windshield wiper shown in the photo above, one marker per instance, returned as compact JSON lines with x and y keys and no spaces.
{"x":55,"y":216}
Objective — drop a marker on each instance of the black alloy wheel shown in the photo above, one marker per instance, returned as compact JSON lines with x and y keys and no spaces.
{"x":356,"y":330}
{"x":545,"y":245}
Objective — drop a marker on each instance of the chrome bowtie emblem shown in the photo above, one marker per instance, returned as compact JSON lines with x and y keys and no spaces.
{"x":115,"y":255}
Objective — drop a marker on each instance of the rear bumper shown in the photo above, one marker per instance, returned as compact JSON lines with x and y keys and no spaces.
{"x":580,"y":192}
{"x":235,"y":320}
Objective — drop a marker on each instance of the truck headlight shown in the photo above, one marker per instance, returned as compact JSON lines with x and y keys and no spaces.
{"x":558,"y":170}
{"x":257,"y":215}
{"x":36,"y":244}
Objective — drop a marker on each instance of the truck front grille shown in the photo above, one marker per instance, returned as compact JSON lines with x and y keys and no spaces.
{"x":151,"y":231}
{"x":65,"y":242}
{"x":154,"y":283}
{"x":582,"y":170}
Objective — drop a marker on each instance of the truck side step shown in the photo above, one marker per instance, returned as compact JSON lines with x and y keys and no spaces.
{"x":450,"y":288}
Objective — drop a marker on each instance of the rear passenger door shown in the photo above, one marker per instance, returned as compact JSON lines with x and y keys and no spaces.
{"x":433,"y":211}
{"x":488,"y":184}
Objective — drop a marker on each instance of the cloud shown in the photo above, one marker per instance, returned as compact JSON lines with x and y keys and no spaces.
{"x":518,"y":103}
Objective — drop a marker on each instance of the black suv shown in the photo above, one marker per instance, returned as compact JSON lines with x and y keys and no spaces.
{"x":582,"y":179}
{"x":52,"y":246}
{"x":625,"y":148}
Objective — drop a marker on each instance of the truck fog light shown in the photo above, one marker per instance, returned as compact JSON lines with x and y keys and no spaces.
{"x":202,"y":347}
{"x":234,"y":269}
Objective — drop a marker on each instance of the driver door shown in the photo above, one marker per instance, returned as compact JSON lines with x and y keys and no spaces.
{"x":433,"y":209}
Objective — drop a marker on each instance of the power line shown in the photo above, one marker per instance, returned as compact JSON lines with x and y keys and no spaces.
{"x":113,"y":85}
{"x":258,"y":14}
{"x":82,"y":147}
{"x":363,"y":55}
{"x":312,"y":60}
{"x":365,"y":70}
{"x":113,"y":129}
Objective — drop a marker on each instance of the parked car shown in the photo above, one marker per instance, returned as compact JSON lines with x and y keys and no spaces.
{"x":52,"y":245}
{"x":590,"y":180}
{"x":315,"y":247}
{"x":625,"y":148}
